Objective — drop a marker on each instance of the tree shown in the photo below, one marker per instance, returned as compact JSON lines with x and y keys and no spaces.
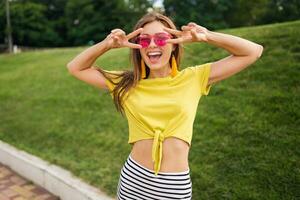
{"x":55,"y":13}
{"x":280,"y":10}
{"x":30,"y":27}
{"x":209,"y":13}
{"x":2,"y":22}
{"x":217,"y":14}
{"x":92,"y":20}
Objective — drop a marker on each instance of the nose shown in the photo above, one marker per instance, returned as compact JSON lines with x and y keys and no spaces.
{"x":152,"y":43}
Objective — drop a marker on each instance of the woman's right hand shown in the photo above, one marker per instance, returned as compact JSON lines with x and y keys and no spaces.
{"x":117,"y":39}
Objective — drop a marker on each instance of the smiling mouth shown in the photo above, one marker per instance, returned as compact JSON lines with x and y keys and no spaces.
{"x":154,"y":56}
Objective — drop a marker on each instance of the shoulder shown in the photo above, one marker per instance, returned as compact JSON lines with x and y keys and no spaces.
{"x":113,"y":77}
{"x":199,"y":66}
{"x":116,"y":75}
{"x":195,"y":69}
{"x":114,"y":72}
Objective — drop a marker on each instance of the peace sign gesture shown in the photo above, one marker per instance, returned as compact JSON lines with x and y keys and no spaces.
{"x":117,"y":39}
{"x":190,"y":33}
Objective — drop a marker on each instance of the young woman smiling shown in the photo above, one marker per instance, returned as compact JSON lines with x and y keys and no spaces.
{"x":160,"y":100}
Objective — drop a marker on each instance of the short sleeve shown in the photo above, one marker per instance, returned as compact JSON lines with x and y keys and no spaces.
{"x":202,"y":75}
{"x":114,"y":78}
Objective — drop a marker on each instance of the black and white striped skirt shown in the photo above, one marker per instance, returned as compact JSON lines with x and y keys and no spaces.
{"x":139,"y":183}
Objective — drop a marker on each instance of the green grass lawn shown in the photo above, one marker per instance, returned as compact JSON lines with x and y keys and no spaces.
{"x":246,"y":132}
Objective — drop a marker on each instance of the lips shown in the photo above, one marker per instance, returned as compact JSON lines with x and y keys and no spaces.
{"x":154,"y":56}
{"x":154,"y":53}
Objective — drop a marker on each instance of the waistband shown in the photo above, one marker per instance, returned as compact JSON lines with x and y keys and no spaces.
{"x":159,"y":173}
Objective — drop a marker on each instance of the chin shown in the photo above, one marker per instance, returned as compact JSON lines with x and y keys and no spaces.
{"x":157,"y":65}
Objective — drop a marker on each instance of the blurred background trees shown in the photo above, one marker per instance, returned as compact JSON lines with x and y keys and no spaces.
{"x":56,"y":23}
{"x":217,"y":14}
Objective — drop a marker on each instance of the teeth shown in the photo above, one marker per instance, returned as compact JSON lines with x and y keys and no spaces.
{"x":154,"y":53}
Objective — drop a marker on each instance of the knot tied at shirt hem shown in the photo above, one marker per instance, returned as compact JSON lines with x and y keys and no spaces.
{"x":157,"y":150}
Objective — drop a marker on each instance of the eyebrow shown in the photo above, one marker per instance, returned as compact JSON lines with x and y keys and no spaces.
{"x":154,"y":33}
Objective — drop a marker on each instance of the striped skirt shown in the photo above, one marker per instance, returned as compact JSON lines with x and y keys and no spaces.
{"x":139,"y":183}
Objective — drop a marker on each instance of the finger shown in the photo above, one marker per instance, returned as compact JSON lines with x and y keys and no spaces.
{"x":192,"y":24}
{"x":120,"y":34}
{"x":117,"y":40}
{"x":115,"y":37}
{"x":202,"y":28}
{"x":175,"y":41}
{"x":194,"y":33}
{"x":172,"y":31}
{"x":186,"y":28}
{"x":132,"y":45}
{"x":134,"y":33}
{"x":116,"y":30}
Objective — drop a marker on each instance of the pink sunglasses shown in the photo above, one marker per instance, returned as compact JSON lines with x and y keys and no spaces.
{"x":159,"y":39}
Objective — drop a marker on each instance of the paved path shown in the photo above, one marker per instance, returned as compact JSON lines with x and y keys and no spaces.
{"x":14,"y":187}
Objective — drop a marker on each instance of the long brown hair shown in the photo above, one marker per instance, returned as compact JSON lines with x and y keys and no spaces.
{"x":130,"y":78}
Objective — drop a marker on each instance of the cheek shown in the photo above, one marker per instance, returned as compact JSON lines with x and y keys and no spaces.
{"x":168,"y":52}
{"x":168,"y":48}
{"x":143,"y":53}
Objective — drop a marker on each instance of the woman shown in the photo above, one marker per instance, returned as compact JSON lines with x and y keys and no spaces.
{"x":159,"y":100}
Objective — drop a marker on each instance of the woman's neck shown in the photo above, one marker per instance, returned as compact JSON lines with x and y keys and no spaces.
{"x":160,"y":73}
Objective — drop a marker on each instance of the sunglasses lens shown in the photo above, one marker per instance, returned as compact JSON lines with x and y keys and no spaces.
{"x":144,"y":41}
{"x":159,"y":39}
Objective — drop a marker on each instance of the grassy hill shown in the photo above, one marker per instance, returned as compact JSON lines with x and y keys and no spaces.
{"x":246,"y":132}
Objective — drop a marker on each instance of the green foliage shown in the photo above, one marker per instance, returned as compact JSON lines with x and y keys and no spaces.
{"x":93,"y":20}
{"x":30,"y":25}
{"x":281,"y":10}
{"x":69,"y":23}
{"x":216,"y":14}
{"x":81,"y":22}
{"x":249,"y":13}
{"x":2,"y":22}
{"x":208,"y":13}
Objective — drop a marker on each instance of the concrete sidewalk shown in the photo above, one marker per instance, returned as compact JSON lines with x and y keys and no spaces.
{"x":15,"y":187}
{"x":53,"y":178}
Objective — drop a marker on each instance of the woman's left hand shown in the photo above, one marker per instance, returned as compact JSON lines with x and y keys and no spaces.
{"x":190,"y":33}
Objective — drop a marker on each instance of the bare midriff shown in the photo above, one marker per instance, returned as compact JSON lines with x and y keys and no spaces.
{"x":174,"y":155}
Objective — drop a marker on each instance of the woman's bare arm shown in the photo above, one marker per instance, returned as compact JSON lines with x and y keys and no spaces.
{"x":81,"y":66}
{"x":244,"y":53}
{"x":87,"y":58}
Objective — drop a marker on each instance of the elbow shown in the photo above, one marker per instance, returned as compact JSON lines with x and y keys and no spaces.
{"x":69,"y":67}
{"x":259,"y":51}
{"x":256,"y":52}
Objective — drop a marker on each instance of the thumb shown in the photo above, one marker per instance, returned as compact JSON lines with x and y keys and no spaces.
{"x":194,"y":34}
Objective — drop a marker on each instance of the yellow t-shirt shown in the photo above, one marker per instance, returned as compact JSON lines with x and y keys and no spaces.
{"x":165,"y":107}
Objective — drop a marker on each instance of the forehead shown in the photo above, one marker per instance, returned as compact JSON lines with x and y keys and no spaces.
{"x":153,"y":27}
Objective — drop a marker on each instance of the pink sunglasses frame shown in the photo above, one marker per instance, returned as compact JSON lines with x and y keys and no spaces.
{"x":153,"y":37}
